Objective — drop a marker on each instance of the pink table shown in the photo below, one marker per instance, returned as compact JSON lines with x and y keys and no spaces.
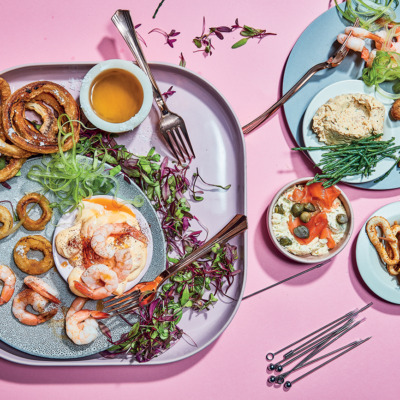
{"x":233,"y":367}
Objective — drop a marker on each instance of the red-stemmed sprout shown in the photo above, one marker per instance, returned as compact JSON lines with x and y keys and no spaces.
{"x":169,"y":37}
{"x":196,"y":287}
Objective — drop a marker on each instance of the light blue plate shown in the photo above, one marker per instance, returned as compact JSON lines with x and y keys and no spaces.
{"x":49,"y":339}
{"x":314,"y":46}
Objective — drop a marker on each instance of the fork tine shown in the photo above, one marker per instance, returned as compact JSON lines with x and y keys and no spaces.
{"x":176,"y":144}
{"x":185,"y":133}
{"x":123,"y":307}
{"x":170,"y":145}
{"x":121,"y":302}
{"x":128,"y":310}
{"x":178,"y":134}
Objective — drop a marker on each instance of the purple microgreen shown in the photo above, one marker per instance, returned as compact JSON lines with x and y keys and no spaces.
{"x":203,"y":42}
{"x":168,"y":93}
{"x":158,"y":7}
{"x":6,"y":185}
{"x":139,"y":35}
{"x":249,"y":33}
{"x":195,"y":287}
{"x":182,"y":61}
{"x":168,"y":36}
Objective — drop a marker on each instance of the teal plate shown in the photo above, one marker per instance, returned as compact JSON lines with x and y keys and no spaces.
{"x":49,"y":339}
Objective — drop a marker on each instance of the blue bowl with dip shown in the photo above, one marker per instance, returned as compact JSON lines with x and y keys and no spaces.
{"x":116,"y":96}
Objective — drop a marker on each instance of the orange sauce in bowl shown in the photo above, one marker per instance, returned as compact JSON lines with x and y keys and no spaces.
{"x":111,"y":205}
{"x":116,"y":95}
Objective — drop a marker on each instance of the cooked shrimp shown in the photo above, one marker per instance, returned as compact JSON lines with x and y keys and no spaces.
{"x":41,"y":287}
{"x":99,"y":239}
{"x":124,"y":264}
{"x":98,"y":282}
{"x":38,"y":302}
{"x":8,"y":278}
{"x":389,"y":237}
{"x":355,"y":44}
{"x":81,"y":325}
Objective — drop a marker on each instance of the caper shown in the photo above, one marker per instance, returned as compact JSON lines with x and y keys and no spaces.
{"x":279,"y":209}
{"x":305,"y":217}
{"x":285,"y":241}
{"x":297,"y":209}
{"x":309,"y":207}
{"x":342,"y":219}
{"x":301,"y":232}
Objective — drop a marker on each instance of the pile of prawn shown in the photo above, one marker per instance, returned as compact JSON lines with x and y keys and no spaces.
{"x":80,"y":324}
{"x":109,"y":265}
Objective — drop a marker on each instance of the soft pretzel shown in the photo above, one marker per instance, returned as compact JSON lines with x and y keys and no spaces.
{"x":388,"y":236}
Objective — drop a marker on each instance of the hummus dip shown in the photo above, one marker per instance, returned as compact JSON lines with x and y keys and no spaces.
{"x":348,"y":117}
{"x":282,"y":221}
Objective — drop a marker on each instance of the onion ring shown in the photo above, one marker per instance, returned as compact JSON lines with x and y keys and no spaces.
{"x":23,"y":133}
{"x":11,"y":169}
{"x":31,"y":266}
{"x":47,"y":212}
{"x":389,"y":236}
{"x":7,"y":220}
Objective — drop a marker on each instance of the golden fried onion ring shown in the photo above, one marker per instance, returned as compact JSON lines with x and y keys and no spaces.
{"x":45,"y":98}
{"x":389,"y":237}
{"x":31,"y":266}
{"x":30,"y":224}
{"x":7,"y":220}
{"x":11,"y":169}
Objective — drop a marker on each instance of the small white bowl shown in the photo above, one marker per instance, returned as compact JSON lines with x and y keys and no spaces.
{"x":310,"y":259}
{"x":120,"y":126}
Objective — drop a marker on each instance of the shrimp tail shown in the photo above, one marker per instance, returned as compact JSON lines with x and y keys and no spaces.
{"x":99,"y":315}
{"x":365,"y":54}
{"x":47,"y":315}
{"x":6,"y":295}
{"x":83,"y":289}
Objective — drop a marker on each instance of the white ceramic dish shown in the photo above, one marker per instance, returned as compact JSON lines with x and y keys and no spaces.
{"x":136,"y":119}
{"x":344,"y":87}
{"x":310,"y":259}
{"x":65,"y":268}
{"x":371,"y":268}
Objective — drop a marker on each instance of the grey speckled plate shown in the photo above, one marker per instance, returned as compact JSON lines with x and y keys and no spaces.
{"x":49,"y":339}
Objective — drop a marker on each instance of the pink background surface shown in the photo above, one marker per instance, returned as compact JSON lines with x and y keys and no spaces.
{"x":233,"y":367}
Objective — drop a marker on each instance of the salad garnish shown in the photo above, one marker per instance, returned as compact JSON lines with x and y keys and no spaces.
{"x":169,"y":37}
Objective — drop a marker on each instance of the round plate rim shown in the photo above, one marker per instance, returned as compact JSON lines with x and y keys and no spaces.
{"x":362,"y":256}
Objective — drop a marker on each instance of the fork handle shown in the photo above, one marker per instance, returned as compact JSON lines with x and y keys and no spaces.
{"x":237,"y":225}
{"x":123,"y":21}
{"x":265,"y":115}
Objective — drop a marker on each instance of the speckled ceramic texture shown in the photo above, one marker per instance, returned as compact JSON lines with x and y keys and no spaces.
{"x":49,"y":339}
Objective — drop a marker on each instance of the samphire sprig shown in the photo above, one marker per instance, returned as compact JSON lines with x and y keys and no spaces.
{"x":359,"y":157}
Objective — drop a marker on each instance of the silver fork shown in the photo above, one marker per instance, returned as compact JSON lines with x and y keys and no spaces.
{"x":144,"y":292}
{"x":171,"y":124}
{"x":332,"y":62}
